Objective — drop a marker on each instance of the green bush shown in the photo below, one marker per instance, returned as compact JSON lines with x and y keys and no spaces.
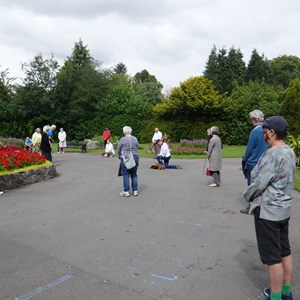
{"x":294,"y":143}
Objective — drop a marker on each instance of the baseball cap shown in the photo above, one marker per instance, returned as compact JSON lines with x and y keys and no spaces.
{"x":279,"y":124}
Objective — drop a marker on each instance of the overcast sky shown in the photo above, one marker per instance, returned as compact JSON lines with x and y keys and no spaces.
{"x":172,"y":39}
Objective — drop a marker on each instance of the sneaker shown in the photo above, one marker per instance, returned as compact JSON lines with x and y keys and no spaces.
{"x":214,"y":185}
{"x":135,"y":193}
{"x":267,"y":293}
{"x":245,"y":210}
{"x":124,"y":194}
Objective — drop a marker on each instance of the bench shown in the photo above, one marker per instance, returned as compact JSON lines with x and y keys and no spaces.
{"x":79,"y":144}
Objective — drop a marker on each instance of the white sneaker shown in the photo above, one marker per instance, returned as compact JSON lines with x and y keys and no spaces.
{"x":214,"y":185}
{"x":135,"y":193}
{"x":124,"y":194}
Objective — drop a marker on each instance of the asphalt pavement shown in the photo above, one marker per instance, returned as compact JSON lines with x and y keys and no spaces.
{"x":74,"y":237}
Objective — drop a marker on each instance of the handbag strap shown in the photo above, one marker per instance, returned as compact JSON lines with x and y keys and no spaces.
{"x":130,"y":144}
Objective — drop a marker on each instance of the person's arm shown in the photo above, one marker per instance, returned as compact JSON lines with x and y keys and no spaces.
{"x":265,"y":170}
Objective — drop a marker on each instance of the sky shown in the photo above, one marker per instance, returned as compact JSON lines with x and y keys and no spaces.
{"x":171,"y":39}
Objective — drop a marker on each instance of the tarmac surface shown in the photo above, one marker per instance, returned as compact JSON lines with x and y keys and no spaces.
{"x":74,"y":237}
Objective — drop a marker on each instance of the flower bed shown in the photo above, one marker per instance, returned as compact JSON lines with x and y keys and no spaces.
{"x":188,"y":150}
{"x":190,"y":147}
{"x":14,"y":157}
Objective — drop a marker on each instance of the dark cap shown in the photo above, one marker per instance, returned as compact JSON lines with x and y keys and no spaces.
{"x":279,"y":124}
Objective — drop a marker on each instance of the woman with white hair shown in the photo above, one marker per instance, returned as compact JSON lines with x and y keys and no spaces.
{"x":62,"y":138}
{"x":127,"y":144}
{"x":45,"y":143}
{"x":214,"y":156}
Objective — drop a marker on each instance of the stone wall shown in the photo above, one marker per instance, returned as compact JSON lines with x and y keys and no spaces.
{"x":15,"y":180}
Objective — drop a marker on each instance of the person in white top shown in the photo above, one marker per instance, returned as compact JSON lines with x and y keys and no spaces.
{"x":62,"y":136}
{"x":109,"y":149}
{"x":157,"y":136}
{"x":164,"y":156}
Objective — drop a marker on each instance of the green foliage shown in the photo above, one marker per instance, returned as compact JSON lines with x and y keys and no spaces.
{"x":147,"y":87}
{"x":83,"y":98}
{"x":122,"y":107}
{"x":120,"y":69}
{"x":241,"y":102}
{"x":225,"y":69}
{"x":196,"y":98}
{"x":290,"y":108}
{"x":284,"y":69}
{"x":258,"y":68}
{"x":294,"y":143}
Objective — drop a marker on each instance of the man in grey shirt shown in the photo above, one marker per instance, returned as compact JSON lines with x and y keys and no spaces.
{"x":270,"y":198}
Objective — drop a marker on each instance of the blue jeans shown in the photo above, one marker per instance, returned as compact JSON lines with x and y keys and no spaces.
{"x":165,"y":161}
{"x":132,"y":173}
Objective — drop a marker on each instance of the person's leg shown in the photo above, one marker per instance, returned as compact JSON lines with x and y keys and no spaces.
{"x":287,"y":263}
{"x":159,"y":159}
{"x":276,"y":277}
{"x":216,"y":177}
{"x":287,"y":260}
{"x":166,"y":161}
{"x":248,"y":173}
{"x":134,"y":177}
{"x":125,"y":178}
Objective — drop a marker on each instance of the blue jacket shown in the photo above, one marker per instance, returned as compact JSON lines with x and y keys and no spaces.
{"x":256,"y":146}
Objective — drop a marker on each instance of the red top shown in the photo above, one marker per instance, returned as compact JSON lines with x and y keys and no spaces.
{"x":106,"y":134}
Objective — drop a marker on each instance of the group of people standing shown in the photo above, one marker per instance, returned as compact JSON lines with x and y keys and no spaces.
{"x":269,"y":166}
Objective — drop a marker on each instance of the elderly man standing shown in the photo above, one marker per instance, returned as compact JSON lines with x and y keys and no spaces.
{"x":270,"y":198}
{"x":157,"y":136}
{"x":256,"y":146}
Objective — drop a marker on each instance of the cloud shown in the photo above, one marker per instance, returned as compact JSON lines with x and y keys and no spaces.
{"x":169,"y":38}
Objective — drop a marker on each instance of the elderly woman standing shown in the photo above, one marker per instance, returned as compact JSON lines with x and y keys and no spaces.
{"x":214,"y":156}
{"x":36,"y":141}
{"x":62,"y":137}
{"x":127,"y":144}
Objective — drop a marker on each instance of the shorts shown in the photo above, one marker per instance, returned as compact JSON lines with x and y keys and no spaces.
{"x":272,"y":239}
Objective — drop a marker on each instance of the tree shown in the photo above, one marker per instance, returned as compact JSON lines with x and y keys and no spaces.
{"x":244,"y":99}
{"x":120,"y":68}
{"x":122,"y":107}
{"x":41,"y":72}
{"x":81,"y":86}
{"x":225,"y":69}
{"x":11,"y":113}
{"x":290,"y":108}
{"x":36,"y":92}
{"x":212,"y":67}
{"x":147,"y":87}
{"x":285,"y":69}
{"x":258,"y":68}
{"x":195,"y":98}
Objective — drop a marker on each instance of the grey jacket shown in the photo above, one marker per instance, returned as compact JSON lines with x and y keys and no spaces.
{"x":272,"y":184}
{"x":124,"y":145}
{"x":214,"y":154}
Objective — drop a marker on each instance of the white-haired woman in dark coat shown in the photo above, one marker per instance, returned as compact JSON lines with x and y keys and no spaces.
{"x":214,"y":156}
